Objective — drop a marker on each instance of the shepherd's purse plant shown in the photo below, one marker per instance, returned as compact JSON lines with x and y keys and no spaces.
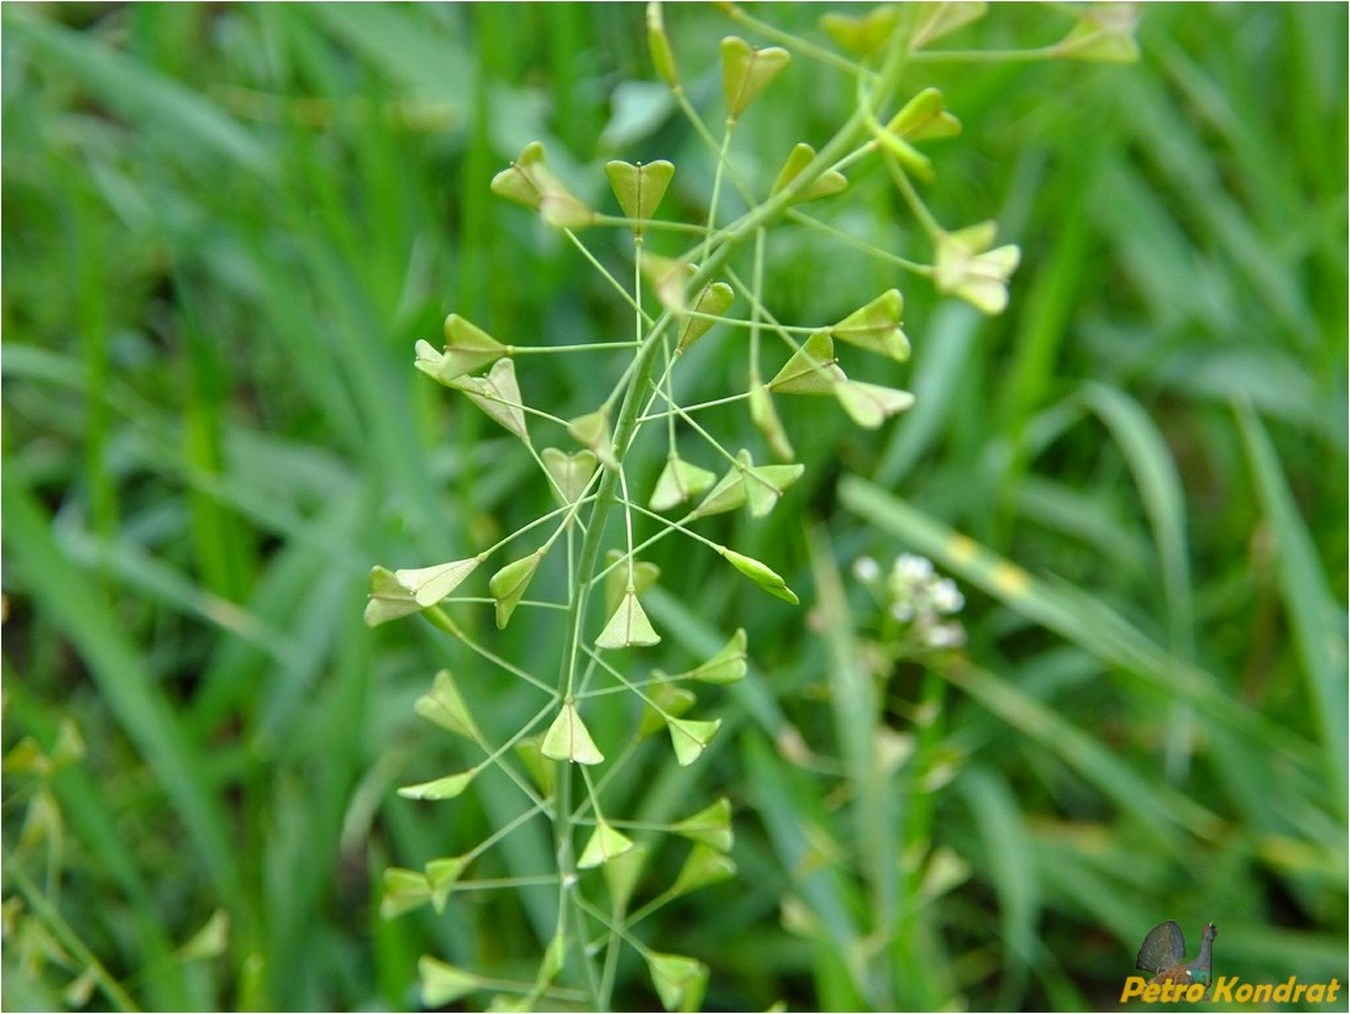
{"x":593,"y":542}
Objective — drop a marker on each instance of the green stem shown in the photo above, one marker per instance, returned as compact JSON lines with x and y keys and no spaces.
{"x":717,"y":250}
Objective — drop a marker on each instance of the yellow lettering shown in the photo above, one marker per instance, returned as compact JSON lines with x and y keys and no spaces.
{"x":1151,"y":992}
{"x":1332,"y":989}
{"x":1283,"y":991}
{"x":1264,"y":992}
{"x":1195,"y":992}
{"x":1299,"y":990}
{"x":1223,"y":989}
{"x":1134,"y":985}
{"x":1244,"y":993}
{"x":1317,"y":992}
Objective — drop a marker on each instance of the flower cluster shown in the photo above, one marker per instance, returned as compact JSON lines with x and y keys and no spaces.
{"x":914,"y":596}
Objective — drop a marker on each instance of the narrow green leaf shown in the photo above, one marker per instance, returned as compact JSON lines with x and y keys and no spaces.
{"x":690,"y":737}
{"x":431,"y":584}
{"x":568,"y":739}
{"x":605,"y":844}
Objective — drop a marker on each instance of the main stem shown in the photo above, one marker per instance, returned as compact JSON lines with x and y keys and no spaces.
{"x":726,"y":242}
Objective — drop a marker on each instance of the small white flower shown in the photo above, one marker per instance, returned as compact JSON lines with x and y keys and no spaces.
{"x":902,"y":610}
{"x":866,"y":569}
{"x":945,"y":635}
{"x":946,"y":597}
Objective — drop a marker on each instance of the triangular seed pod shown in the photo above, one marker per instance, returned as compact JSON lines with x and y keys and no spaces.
{"x":628,"y":627}
{"x":508,"y":584}
{"x":568,"y":739}
{"x":746,"y":71}
{"x":829,"y":182}
{"x":811,"y":370}
{"x":639,"y":188}
{"x":388,"y":598}
{"x":713,"y":300}
{"x":679,"y":481}
{"x":690,"y":737}
{"x":604,"y":845}
{"x":431,"y":584}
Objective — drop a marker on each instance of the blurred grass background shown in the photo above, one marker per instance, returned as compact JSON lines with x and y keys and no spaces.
{"x":225,"y":226}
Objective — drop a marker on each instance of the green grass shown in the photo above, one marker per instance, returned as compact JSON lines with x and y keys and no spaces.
{"x":224,"y":229}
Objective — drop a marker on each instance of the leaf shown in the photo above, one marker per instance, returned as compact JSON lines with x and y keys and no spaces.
{"x":690,"y":737}
{"x":568,"y":739}
{"x":827,"y":183}
{"x":431,"y":584}
{"x":711,"y":826}
{"x":704,"y":866}
{"x":861,"y":36}
{"x":389,"y":600}
{"x":680,"y":982}
{"x":403,"y":890}
{"x":445,"y":706}
{"x":746,"y":71}
{"x":571,"y":473}
{"x":508,"y":584}
{"x":812,"y":369}
{"x":498,"y":394}
{"x":765,"y":418}
{"x":678,"y":481}
{"x":645,"y":574}
{"x":211,"y":941}
{"x":440,"y":788}
{"x":869,"y":405}
{"x":604,"y":845}
{"x":628,"y":627}
{"x":876,"y":326}
{"x":639,"y":188}
{"x":727,"y":666}
{"x":442,"y":983}
{"x":441,"y":875}
{"x":714,"y":299}
{"x":760,"y":574}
